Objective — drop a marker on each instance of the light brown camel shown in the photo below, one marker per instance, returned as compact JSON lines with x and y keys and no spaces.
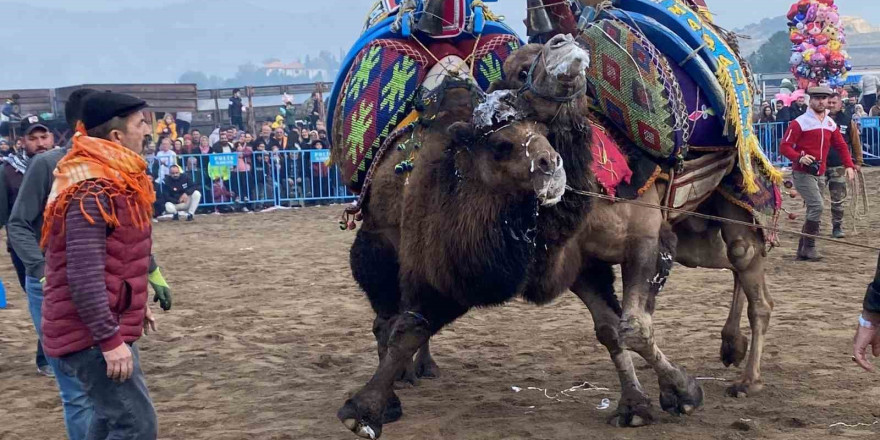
{"x":709,"y":245}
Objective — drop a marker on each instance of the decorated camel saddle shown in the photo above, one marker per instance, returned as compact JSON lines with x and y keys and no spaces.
{"x":672,"y":84}
{"x":403,"y":44}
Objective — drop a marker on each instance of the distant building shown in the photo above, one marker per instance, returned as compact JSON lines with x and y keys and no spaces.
{"x":294,"y":68}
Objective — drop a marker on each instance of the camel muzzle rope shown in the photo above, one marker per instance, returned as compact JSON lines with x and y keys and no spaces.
{"x":716,"y":218}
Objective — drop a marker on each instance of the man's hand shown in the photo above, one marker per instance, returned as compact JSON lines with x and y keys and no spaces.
{"x":806,"y":160}
{"x":160,"y":286}
{"x":120,"y":363}
{"x":866,"y":337}
{"x":149,"y":322}
{"x":183,"y":198}
{"x":850,"y":174}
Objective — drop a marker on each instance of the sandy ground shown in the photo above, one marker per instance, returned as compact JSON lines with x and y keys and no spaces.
{"x":269,"y":334}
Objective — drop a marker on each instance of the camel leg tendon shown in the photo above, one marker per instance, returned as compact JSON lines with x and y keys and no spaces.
{"x":745,"y":249}
{"x":734,"y":344}
{"x":595,"y":287}
{"x":421,"y":318}
{"x":647,"y":265}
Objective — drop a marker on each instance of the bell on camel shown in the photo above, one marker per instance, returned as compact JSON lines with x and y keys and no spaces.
{"x":537,"y":20}
{"x":431,"y":21}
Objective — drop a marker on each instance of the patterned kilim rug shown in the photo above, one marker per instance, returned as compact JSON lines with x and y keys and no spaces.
{"x":632,"y":83}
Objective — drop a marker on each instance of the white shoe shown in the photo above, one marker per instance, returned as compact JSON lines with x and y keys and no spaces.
{"x":46,"y":370}
{"x":244,"y":209}
{"x":155,"y":220}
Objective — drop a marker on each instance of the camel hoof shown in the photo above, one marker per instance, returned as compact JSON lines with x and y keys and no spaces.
{"x":681,"y":401}
{"x":358,"y":422}
{"x":427,"y":369}
{"x":632,"y":413}
{"x":407,"y":379}
{"x":733,"y":352}
{"x":741,"y":390}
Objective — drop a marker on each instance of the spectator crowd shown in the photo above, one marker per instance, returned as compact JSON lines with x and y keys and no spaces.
{"x":281,"y":161}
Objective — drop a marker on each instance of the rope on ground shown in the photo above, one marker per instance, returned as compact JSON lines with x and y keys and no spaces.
{"x":716,"y":218}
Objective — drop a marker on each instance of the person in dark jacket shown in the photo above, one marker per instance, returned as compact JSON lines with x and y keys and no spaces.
{"x":180,"y":194}
{"x":868,"y":331}
{"x":235,"y":113}
{"x":783,"y":113}
{"x":799,"y":107}
{"x":835,"y":174}
{"x":37,"y":139}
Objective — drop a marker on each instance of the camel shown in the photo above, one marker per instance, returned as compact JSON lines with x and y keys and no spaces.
{"x":420,"y":274}
{"x":700,"y":243}
{"x":705,"y":244}
{"x":456,"y":233}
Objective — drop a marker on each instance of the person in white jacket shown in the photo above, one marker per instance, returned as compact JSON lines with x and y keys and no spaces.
{"x":868,"y":84}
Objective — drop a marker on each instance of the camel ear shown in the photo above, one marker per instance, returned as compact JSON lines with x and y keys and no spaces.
{"x":462,"y":133}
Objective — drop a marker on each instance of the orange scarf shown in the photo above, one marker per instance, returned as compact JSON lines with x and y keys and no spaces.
{"x":95,"y":167}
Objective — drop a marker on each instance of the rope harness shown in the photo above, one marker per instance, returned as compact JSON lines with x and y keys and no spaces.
{"x":716,"y":218}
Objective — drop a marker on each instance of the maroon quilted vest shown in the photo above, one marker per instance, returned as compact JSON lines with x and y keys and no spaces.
{"x":125,"y":274}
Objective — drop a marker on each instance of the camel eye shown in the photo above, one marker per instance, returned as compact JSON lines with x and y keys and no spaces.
{"x":524,"y":74}
{"x":502,"y":149}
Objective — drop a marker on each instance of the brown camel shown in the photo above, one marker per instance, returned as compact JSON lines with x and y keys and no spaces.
{"x":704,"y":244}
{"x":457,"y":232}
{"x":440,"y":277}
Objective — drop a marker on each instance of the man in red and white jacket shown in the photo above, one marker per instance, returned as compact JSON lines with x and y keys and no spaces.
{"x":806,"y":143}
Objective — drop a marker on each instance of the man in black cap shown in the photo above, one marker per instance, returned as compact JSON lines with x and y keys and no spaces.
{"x":37,"y":139}
{"x":24,"y":229}
{"x":97,"y":242}
{"x":235,"y":114}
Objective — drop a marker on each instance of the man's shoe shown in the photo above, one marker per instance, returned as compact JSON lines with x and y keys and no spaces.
{"x":45,"y":370}
{"x":244,"y":209}
{"x":837,"y":231}
{"x":189,"y":217}
{"x":175,"y":217}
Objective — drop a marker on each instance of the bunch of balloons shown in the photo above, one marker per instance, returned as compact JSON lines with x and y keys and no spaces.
{"x":818,"y":41}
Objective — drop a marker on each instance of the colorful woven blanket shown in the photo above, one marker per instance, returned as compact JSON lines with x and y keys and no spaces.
{"x":633,"y":86}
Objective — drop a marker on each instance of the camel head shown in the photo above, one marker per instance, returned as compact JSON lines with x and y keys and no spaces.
{"x":555,"y":70}
{"x":506,"y":154}
{"x":548,"y":75}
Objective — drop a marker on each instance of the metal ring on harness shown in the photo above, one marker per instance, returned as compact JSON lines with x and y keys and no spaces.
{"x":529,"y":86}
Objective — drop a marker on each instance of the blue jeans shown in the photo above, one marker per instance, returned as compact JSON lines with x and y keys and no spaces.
{"x":77,"y":406}
{"x":122,"y":410}
{"x":19,"y":271}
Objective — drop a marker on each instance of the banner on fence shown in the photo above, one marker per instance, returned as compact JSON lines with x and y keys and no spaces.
{"x":223,"y":160}
{"x":870,"y":122}
{"x":321,"y":156}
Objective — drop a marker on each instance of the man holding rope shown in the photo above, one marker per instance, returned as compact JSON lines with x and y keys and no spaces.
{"x":806,"y":144}
{"x":836,"y":173}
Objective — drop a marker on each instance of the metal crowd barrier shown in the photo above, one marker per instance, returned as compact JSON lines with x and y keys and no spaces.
{"x":770,"y":135}
{"x":262,"y":179}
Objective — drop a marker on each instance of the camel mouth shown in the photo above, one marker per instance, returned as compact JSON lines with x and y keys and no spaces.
{"x":551,"y":188}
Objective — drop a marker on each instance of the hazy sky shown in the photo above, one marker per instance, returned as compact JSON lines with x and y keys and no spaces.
{"x":244,"y":31}
{"x":729,"y":13}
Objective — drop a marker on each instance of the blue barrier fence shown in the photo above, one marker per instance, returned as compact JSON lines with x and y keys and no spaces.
{"x":770,"y":135}
{"x":260,"y":179}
